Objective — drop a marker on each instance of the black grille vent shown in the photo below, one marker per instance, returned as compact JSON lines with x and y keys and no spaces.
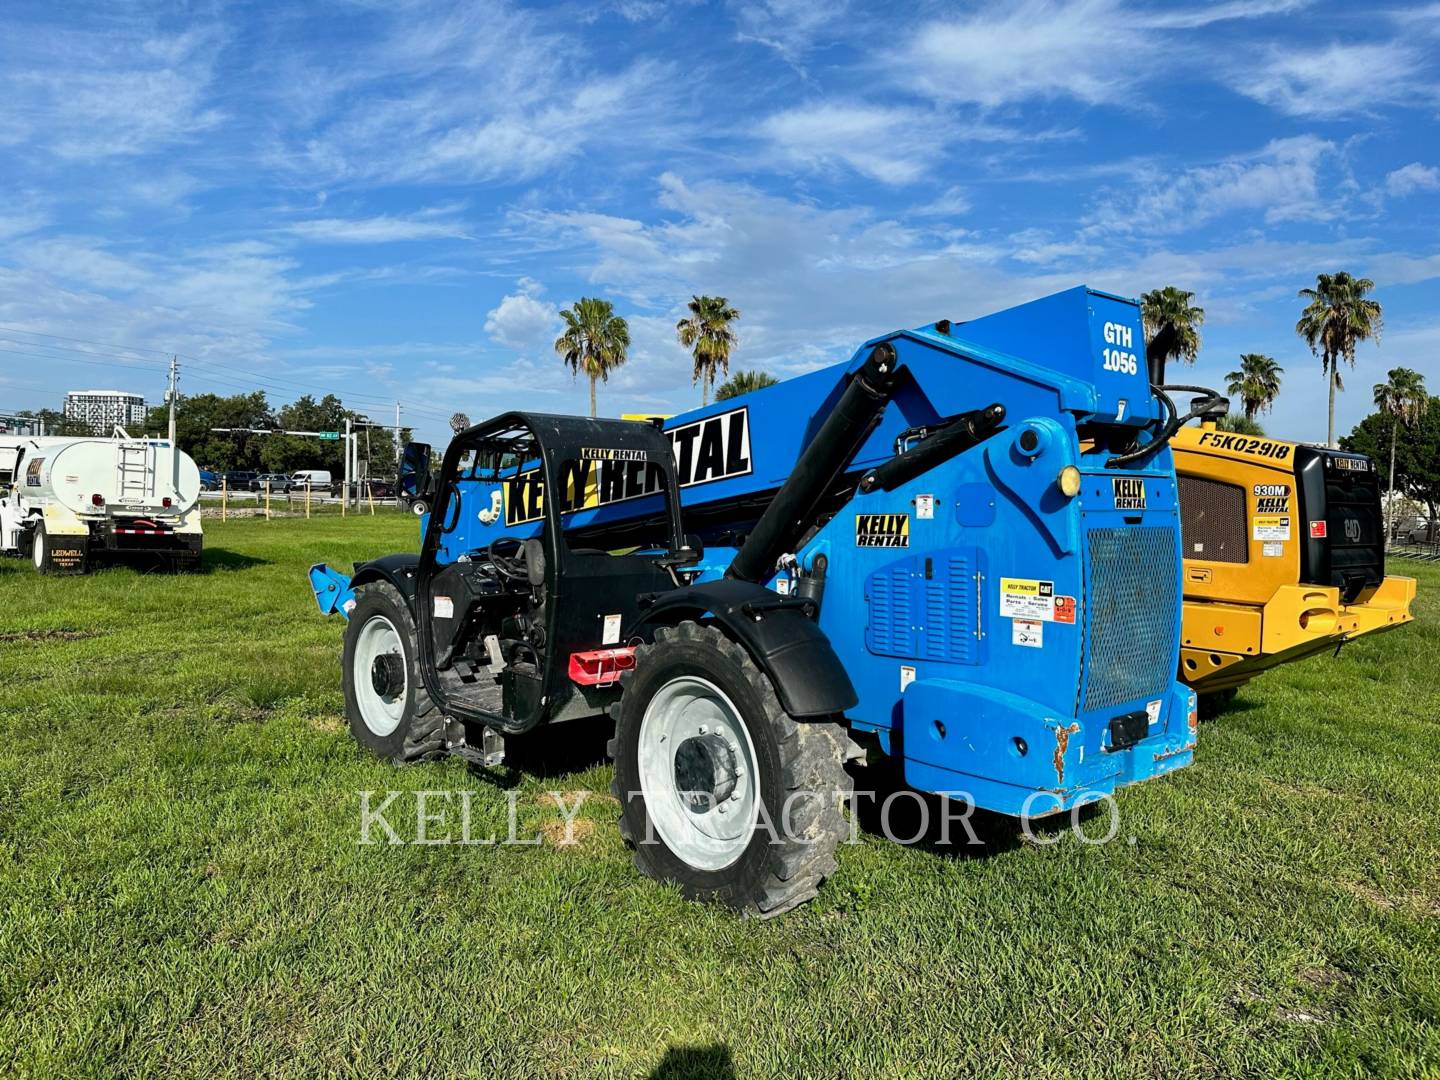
{"x":1130,"y":615}
{"x":1212,"y":521}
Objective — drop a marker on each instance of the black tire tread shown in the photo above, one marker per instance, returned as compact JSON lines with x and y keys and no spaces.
{"x":425,"y":733}
{"x":812,"y":759}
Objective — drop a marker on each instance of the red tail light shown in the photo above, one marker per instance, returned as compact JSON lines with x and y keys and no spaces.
{"x":97,"y":500}
{"x":165,"y":502}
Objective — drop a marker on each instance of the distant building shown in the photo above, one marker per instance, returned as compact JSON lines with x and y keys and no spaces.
{"x":103,"y":409}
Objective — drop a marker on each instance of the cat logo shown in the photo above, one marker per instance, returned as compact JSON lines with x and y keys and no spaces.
{"x":1129,"y":492}
{"x":715,"y":448}
{"x":882,"y":530}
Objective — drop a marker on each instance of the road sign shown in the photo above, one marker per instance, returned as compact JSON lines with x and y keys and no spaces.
{"x":333,"y":435}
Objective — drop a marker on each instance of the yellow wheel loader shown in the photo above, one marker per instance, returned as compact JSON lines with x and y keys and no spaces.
{"x":1284,"y":556}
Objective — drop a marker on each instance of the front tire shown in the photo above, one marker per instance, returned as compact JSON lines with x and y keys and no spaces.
{"x":419,"y":508}
{"x":721,"y":791}
{"x":389,"y":711}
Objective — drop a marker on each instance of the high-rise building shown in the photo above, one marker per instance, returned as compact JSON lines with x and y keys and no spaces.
{"x":103,"y":409}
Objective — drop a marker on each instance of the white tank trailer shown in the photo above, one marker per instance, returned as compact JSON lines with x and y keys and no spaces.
{"x":66,"y":503}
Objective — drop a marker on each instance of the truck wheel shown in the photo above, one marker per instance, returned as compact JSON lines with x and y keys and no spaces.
{"x":390,"y":713}
{"x":42,"y":554}
{"x":419,"y":508}
{"x":720,"y":790}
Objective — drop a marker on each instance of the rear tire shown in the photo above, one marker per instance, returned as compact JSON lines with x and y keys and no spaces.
{"x":389,"y":711}
{"x":699,"y":727}
{"x":44,"y":559}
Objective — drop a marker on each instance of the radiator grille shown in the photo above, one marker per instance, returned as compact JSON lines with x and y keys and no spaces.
{"x":1212,"y":521}
{"x":1130,"y":615}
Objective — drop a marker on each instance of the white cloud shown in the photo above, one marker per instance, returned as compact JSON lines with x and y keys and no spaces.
{"x":791,"y":27}
{"x":91,"y":95}
{"x":1336,"y":80}
{"x":1034,"y":49}
{"x":1280,"y":182}
{"x":522,"y":321}
{"x":383,"y":229}
{"x":1412,"y":178}
{"x":892,"y":145}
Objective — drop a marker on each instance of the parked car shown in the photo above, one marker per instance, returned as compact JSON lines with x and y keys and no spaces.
{"x":319,"y":480}
{"x":1423,"y":532}
{"x":238,"y":480}
{"x":376,"y":489}
{"x":275,"y":483}
{"x":209,"y":481}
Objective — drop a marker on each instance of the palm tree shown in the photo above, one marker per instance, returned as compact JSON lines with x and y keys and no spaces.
{"x":1338,"y":317}
{"x":742,"y":382}
{"x":594,"y":341}
{"x":708,"y":335}
{"x":1256,"y":384}
{"x":1172,"y":325}
{"x":1404,"y":399}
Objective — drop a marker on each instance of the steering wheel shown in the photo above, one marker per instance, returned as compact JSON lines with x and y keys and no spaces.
{"x":507,"y":566}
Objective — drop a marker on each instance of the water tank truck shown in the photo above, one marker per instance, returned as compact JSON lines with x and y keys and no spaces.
{"x":67,"y":503}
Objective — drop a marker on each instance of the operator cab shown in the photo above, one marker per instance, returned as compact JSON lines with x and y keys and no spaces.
{"x":499,"y":612}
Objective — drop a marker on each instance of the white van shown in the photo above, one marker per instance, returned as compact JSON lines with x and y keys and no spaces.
{"x":318,"y":479}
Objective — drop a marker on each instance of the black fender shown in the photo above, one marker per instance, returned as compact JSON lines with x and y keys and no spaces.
{"x":398,"y":570}
{"x":777,"y":631}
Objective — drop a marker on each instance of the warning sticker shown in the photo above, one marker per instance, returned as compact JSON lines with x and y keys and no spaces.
{"x":1270,"y":527}
{"x":1317,"y":530}
{"x":1152,"y":710}
{"x":1026,"y":598}
{"x":882,"y":530}
{"x":444,"y":607}
{"x":907,"y":676}
{"x":611,"y":635}
{"x":925,"y":507}
{"x":1272,"y":549}
{"x":1029,"y":633}
{"x":1065,"y":609}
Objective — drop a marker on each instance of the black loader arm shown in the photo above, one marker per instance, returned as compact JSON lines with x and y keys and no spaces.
{"x":779,"y":632}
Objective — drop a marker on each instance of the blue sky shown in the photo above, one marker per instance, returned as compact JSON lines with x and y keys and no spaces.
{"x":391,"y":200}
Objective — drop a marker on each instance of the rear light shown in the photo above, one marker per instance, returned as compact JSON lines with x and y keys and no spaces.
{"x":97,"y":500}
{"x":165,"y":502}
{"x":601,"y":667}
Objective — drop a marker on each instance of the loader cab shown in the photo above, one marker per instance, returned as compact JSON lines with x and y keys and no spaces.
{"x":505,"y":597}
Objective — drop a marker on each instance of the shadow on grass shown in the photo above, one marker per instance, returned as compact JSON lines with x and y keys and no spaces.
{"x":701,"y":1062}
{"x":889,"y":809}
{"x":221,"y":559}
{"x":552,"y":751}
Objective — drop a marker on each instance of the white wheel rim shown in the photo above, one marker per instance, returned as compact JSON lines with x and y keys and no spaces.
{"x":381,"y":714}
{"x":37,"y":550}
{"x":705,"y":830}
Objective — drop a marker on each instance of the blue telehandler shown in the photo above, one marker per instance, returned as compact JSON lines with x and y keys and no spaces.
{"x":960,"y":548}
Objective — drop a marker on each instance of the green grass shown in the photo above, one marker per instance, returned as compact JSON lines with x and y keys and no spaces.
{"x":181,"y":888}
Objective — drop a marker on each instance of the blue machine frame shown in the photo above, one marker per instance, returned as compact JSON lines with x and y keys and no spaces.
{"x":1008,"y":641}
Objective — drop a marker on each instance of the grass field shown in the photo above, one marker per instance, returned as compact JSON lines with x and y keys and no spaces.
{"x":182,"y":889}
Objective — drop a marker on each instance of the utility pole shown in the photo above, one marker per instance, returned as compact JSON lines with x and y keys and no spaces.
{"x":174,"y":380}
{"x":345,"y":491}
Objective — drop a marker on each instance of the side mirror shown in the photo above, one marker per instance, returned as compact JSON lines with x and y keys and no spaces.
{"x":415,"y":470}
